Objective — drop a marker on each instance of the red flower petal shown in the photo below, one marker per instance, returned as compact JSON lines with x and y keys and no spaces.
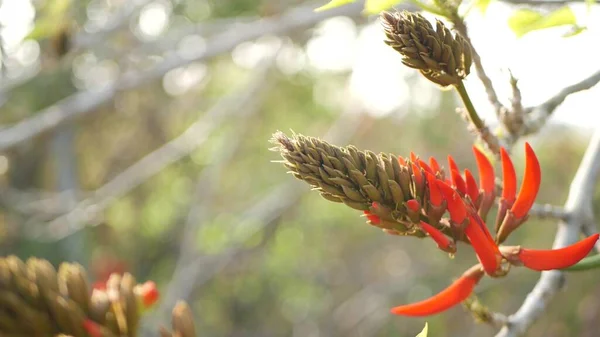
{"x":413,"y":205}
{"x":372,"y":217}
{"x":92,"y":328}
{"x":487,"y":251}
{"x":418,"y":175}
{"x":486,"y":172}
{"x":458,"y":182}
{"x":452,"y":164}
{"x":472,"y":189}
{"x":435,"y":166}
{"x":435,"y":196}
{"x":557,"y":258}
{"x":530,"y":185}
{"x":442,"y":240}
{"x":424,"y":166}
{"x":413,"y":157}
{"x":402,"y":161}
{"x":149,"y":294}
{"x":509,"y":178}
{"x":457,"y":292}
{"x":456,"y":206}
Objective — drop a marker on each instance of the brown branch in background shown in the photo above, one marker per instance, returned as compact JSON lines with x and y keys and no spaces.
{"x":88,"y":209}
{"x":204,"y":193}
{"x":546,"y":211}
{"x":537,"y":116}
{"x":580,"y":210}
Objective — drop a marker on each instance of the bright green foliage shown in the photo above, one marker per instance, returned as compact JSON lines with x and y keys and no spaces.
{"x":526,"y":20}
{"x":333,"y":4}
{"x":482,"y":5}
{"x":53,"y":12}
{"x":424,"y":332}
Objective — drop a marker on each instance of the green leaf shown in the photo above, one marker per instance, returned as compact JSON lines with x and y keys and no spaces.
{"x":377,"y":6}
{"x":525,"y":20}
{"x":483,"y":5}
{"x":52,"y":14}
{"x":333,"y":4}
{"x":424,"y":332}
{"x":590,"y":262}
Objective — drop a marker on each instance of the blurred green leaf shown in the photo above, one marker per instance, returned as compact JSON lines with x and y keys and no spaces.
{"x":424,"y":332}
{"x":377,"y":6}
{"x":525,"y":20}
{"x":52,"y":19}
{"x":333,"y":4}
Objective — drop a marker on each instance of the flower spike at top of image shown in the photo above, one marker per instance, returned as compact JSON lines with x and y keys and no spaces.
{"x":441,"y":57}
{"x":406,"y":196}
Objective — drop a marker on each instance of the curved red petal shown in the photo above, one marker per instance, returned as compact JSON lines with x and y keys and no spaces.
{"x":402,"y":161}
{"x":472,"y":189}
{"x":456,"y":206}
{"x":486,"y":172}
{"x":457,"y":292}
{"x":557,"y":258}
{"x":413,"y":157}
{"x":530,"y":185}
{"x":435,"y":166}
{"x":442,"y":240}
{"x":435,"y":196}
{"x":509,"y":178}
{"x":417,"y":173}
{"x":487,"y":251}
{"x":458,"y":182}
{"x":452,"y":164}
{"x":424,"y":166}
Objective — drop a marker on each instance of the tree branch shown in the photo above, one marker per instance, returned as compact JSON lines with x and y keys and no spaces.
{"x":536,"y":117}
{"x":83,"y":103}
{"x":151,"y":164}
{"x":579,"y":208}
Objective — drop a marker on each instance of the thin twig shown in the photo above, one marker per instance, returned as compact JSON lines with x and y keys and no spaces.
{"x":547,"y":211}
{"x":202,"y":201}
{"x":83,"y":103}
{"x":579,"y":208}
{"x":537,"y":116}
{"x":150,"y":165}
{"x":461,"y":27}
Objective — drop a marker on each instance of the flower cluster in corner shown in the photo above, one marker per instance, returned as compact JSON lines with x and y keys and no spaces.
{"x":411,"y":197}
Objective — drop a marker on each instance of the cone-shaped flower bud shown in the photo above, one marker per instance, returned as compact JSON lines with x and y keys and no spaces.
{"x":557,"y":258}
{"x":441,"y":57}
{"x":451,"y":296}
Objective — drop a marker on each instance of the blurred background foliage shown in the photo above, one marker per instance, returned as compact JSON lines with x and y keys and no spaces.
{"x":165,"y":171}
